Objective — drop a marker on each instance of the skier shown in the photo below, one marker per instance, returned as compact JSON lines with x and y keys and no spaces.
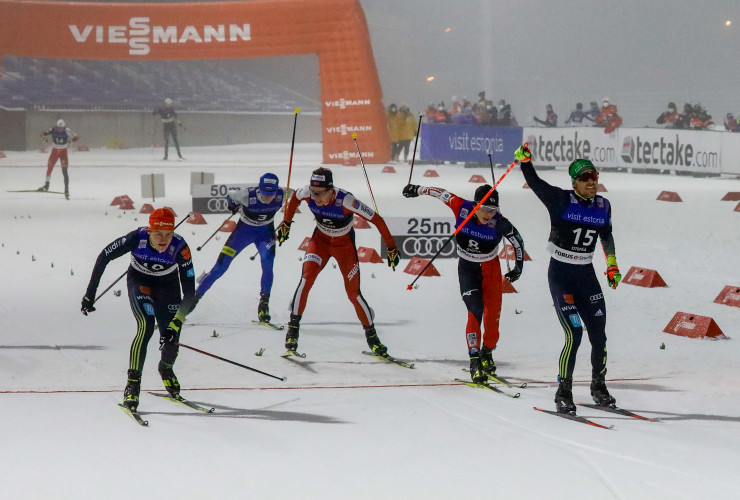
{"x":169,"y":117}
{"x":256,"y":207}
{"x":577,"y":218}
{"x":478,"y":268}
{"x":334,"y":236}
{"x":157,"y":252}
{"x":60,"y":137}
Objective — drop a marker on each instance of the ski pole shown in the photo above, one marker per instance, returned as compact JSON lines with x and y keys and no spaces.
{"x":269,"y":245}
{"x":490,"y":162}
{"x":126,"y":271}
{"x":475,"y":209}
{"x":354,"y":138}
{"x":229,"y":361}
{"x":290,"y":163}
{"x":214,"y":233}
{"x":416,"y":141}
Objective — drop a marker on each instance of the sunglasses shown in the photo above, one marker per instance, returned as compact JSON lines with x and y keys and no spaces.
{"x":588,"y":176}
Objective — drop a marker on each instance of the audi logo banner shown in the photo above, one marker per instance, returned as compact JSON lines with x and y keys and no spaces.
{"x":421,"y":236}
{"x":211,"y":198}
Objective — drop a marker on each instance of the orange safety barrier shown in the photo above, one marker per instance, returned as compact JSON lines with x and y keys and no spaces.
{"x":335,"y":30}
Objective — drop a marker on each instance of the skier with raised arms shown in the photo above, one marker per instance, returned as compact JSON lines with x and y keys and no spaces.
{"x":578,"y":217}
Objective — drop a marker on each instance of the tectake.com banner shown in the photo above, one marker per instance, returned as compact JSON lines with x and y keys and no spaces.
{"x":679,"y":150}
{"x":468,"y":143}
{"x":560,"y":146}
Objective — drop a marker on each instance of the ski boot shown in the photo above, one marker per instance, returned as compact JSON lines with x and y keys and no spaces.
{"x":45,"y":187}
{"x":66,"y":193}
{"x":564,"y":397}
{"x":477,"y":374}
{"x":486,"y":359}
{"x":374,"y":342}
{"x":133,"y":387}
{"x":291,"y":338}
{"x":169,"y":379}
{"x":600,"y":393}
{"x":263,"y":308}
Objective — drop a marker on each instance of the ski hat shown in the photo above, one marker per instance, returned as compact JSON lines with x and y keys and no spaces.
{"x":322,"y":177}
{"x":269,"y":183}
{"x":577,"y":167}
{"x":60,"y":123}
{"x":162,"y":220}
{"x":491,"y":201}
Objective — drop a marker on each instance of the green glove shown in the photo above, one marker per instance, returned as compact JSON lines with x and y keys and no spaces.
{"x":523,"y":154}
{"x":612,"y":272}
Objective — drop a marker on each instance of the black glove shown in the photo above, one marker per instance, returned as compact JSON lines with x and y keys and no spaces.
{"x":87,"y":305}
{"x":171,"y":334}
{"x":232,"y":206}
{"x":513,"y":275}
{"x":411,"y":190}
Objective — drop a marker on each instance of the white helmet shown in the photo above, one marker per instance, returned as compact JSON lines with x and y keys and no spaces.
{"x":168,"y":102}
{"x":60,"y":123}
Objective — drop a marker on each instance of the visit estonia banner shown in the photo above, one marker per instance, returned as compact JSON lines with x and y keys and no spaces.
{"x":468,"y":143}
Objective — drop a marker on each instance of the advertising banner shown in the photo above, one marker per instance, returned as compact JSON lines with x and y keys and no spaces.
{"x":730,"y":153}
{"x":559,"y":146}
{"x":335,"y":30}
{"x":468,"y":143}
{"x":421,"y":236}
{"x":664,"y":149}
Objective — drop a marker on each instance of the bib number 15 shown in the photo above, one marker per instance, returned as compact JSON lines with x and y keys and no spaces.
{"x":588,"y":236}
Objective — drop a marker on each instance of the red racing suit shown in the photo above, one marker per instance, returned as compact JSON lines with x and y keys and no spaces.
{"x":334,"y":236}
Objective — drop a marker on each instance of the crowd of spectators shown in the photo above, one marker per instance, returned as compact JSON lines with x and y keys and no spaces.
{"x":465,"y":112}
{"x":484,"y":112}
{"x":605,"y":117}
{"x":694,"y":117}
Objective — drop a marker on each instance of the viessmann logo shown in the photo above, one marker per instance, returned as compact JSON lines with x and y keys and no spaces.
{"x":346,"y":155}
{"x":139,"y":34}
{"x":344,"y":103}
{"x":344,"y":129}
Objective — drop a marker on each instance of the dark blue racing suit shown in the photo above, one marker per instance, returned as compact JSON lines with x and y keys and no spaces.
{"x":153,"y":281}
{"x":579,"y":301}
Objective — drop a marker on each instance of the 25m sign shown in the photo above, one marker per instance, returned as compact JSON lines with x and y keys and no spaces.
{"x":421,"y":237}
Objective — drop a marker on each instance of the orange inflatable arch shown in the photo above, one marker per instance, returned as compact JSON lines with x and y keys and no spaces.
{"x":335,"y":30}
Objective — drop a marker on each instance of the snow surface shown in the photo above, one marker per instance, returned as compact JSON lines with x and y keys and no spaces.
{"x":344,"y":425}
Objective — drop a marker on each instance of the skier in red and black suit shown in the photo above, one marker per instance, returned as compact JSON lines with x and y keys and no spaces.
{"x":478,"y":268}
{"x":60,"y":137}
{"x":160,"y":262}
{"x":169,"y":118}
{"x":334,"y":236}
{"x":578,"y":218}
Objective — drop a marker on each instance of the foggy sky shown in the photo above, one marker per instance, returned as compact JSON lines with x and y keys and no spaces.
{"x":640,"y":54}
